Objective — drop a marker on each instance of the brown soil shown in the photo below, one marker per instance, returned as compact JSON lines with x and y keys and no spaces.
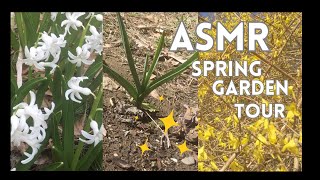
{"x":124,"y":134}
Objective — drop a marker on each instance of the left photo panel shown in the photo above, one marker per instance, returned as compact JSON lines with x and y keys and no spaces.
{"x":56,"y":91}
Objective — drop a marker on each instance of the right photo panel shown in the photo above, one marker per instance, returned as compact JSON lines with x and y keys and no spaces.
{"x":250,"y":92}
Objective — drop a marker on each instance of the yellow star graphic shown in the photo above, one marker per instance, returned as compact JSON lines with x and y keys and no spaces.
{"x":136,"y":118}
{"x":144,"y":147}
{"x":168,"y":122}
{"x":161,"y":98}
{"x":183,"y":147}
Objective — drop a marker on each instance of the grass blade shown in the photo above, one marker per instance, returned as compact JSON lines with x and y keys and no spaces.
{"x":123,"y":82}
{"x":170,"y":75}
{"x":127,"y":49}
{"x":155,"y":58}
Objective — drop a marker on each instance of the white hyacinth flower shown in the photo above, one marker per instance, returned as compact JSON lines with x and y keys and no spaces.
{"x":83,"y":56}
{"x":34,"y":56}
{"x":97,"y":135}
{"x":75,"y":89}
{"x":72,"y":21}
{"x":34,"y":134}
{"x":54,"y":16}
{"x":52,"y":45}
{"x":99,"y":17}
{"x":95,"y":41}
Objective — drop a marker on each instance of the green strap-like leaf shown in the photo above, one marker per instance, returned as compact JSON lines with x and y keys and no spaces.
{"x":21,"y":29}
{"x":145,"y":71}
{"x":123,"y":82}
{"x":31,"y":20}
{"x":13,"y":40}
{"x":42,"y":89}
{"x":127,"y":49}
{"x":94,"y":68}
{"x":53,"y":167}
{"x":56,"y":88}
{"x":55,"y":130}
{"x":45,"y":22}
{"x":155,"y":59}
{"x":25,"y":88}
{"x":68,"y":127}
{"x":170,"y":75}
{"x":89,"y":157}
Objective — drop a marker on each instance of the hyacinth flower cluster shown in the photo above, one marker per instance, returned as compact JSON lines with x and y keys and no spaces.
{"x":29,"y":122}
{"x":21,"y":132}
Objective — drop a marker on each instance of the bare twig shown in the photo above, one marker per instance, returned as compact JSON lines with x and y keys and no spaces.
{"x":295,"y":164}
{"x":227,"y":164}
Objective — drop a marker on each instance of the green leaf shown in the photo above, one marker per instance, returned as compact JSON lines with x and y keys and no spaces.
{"x":31,"y":20}
{"x":68,"y":128}
{"x":21,"y":29}
{"x":14,"y":42}
{"x":123,"y":82}
{"x":42,"y":89}
{"x":45,"y":22}
{"x":90,"y":156}
{"x":94,"y":69}
{"x":169,"y":76}
{"x":56,"y":88}
{"x":13,"y":84}
{"x":55,"y":130}
{"x":53,"y":167}
{"x":155,"y":59}
{"x":145,"y":70}
{"x":127,"y":49}
{"x":25,"y":88}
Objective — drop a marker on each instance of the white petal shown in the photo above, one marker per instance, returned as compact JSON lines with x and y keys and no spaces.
{"x":78,"y":96}
{"x":73,"y":98}
{"x":87,"y":141}
{"x":33,"y":98}
{"x":71,"y":55}
{"x":14,"y":123}
{"x":94,"y":126}
{"x":67,"y":93}
{"x":87,"y":135}
{"x":99,"y":17}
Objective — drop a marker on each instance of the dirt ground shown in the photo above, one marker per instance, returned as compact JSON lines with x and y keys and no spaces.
{"x":124,"y":133}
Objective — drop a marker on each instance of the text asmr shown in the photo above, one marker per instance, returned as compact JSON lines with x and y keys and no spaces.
{"x":257,"y":33}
